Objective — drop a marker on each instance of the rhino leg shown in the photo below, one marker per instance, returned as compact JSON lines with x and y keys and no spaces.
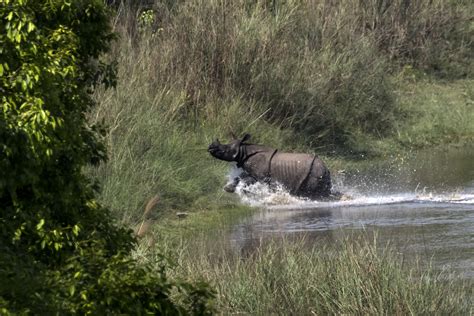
{"x":243,"y":177}
{"x":317,"y":185}
{"x":230,"y":187}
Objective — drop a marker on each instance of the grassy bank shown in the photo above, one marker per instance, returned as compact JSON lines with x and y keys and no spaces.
{"x":287,"y":276}
{"x":439,"y":113}
{"x":435,"y":113}
{"x":338,"y":79}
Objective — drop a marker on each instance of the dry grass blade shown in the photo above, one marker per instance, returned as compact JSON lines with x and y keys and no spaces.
{"x":148,"y":217}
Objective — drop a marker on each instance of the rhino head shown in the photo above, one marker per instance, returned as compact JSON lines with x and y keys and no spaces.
{"x":227,"y":152}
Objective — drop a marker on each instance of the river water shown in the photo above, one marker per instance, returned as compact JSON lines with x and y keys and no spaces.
{"x":422,"y":205}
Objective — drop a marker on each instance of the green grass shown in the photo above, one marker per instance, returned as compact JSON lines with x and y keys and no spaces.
{"x":153,"y":154}
{"x":282,"y":276}
{"x":285,"y":275}
{"x":437,"y":113}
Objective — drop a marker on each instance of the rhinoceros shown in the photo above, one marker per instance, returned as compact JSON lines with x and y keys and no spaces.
{"x":303,"y":175}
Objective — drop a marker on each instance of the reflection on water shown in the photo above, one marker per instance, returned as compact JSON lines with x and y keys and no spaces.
{"x":423,"y":206}
{"x":434,"y":171}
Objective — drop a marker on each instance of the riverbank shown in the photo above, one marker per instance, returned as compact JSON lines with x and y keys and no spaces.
{"x":436,"y":113}
{"x":288,"y":275}
{"x":149,"y":156}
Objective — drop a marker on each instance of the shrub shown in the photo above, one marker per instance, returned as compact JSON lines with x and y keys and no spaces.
{"x":61,"y":252}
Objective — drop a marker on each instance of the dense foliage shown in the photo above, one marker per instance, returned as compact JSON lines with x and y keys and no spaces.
{"x":60,"y":251}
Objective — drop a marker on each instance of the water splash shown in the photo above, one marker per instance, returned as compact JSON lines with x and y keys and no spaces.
{"x":277,"y":197}
{"x":260,"y":194}
{"x":362,"y":200}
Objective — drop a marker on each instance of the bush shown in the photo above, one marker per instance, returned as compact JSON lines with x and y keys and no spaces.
{"x":61,"y":252}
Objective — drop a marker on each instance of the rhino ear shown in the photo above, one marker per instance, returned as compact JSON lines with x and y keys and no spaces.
{"x":245,"y":138}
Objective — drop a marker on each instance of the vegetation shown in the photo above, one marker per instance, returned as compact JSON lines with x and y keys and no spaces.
{"x":296,"y":276}
{"x":61,"y":253}
{"x":190,"y":71}
{"x":329,"y":76}
{"x":340,"y":77}
{"x":438,"y":113}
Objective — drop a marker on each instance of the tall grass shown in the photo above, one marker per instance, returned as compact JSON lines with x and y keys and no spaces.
{"x":432,"y":36}
{"x":289,"y":277}
{"x":299,"y":74}
{"x":297,"y":63}
{"x":151,"y":152}
{"x":438,"y":114}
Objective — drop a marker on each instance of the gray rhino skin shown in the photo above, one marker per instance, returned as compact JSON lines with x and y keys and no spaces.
{"x":301,"y":174}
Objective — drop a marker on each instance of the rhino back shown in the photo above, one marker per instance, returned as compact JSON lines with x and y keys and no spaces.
{"x":291,"y":169}
{"x":257,"y":165}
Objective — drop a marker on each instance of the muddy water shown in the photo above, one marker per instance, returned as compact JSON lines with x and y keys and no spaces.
{"x":422,"y":205}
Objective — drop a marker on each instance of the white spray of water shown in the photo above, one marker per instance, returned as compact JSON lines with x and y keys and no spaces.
{"x":260,"y":194}
{"x":277,"y":197}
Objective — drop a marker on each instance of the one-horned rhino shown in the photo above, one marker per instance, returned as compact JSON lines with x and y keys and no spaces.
{"x":301,"y":174}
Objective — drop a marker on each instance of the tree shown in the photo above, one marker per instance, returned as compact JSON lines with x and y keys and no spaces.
{"x":60,"y":251}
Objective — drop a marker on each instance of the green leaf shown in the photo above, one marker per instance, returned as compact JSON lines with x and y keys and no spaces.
{"x":72,"y":290}
{"x":76,"y":229}
{"x":40,"y":224}
{"x":31,"y":27}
